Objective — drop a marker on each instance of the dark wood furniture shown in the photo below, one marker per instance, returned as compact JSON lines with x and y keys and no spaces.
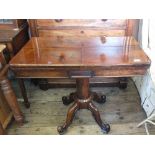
{"x":14,"y":34}
{"x":83,"y":28}
{"x":79,"y":58}
{"x":8,"y":102}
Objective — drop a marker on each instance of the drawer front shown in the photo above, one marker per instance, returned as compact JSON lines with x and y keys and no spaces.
{"x":80,"y":33}
{"x":105,"y":23}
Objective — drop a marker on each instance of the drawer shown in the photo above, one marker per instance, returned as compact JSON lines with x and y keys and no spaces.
{"x":105,"y":23}
{"x":80,"y":32}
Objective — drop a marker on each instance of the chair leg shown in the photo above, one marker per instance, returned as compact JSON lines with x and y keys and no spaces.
{"x":147,"y":120}
{"x":24,"y":94}
{"x":146,"y":128}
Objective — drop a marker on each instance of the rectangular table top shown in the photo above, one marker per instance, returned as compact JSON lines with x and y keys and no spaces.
{"x":76,"y":51}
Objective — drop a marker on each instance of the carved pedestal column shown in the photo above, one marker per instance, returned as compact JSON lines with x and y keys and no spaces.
{"x":83,"y":100}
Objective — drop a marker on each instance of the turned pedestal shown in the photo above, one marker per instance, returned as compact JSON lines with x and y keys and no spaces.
{"x":83,"y":99}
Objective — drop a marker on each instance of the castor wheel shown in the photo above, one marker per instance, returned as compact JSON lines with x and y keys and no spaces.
{"x":60,"y":130}
{"x":105,"y":128}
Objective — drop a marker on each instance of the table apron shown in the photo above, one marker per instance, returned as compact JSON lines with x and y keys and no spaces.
{"x":64,"y":72}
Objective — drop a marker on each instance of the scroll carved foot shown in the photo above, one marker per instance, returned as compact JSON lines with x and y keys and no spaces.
{"x":70,"y":115}
{"x":104,"y":127}
{"x":99,"y":98}
{"x":68,"y":99}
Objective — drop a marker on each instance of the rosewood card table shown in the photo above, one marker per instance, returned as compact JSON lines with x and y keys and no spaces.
{"x":79,"y":58}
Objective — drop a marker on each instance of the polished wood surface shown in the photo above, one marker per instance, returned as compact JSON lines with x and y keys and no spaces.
{"x":106,"y":56}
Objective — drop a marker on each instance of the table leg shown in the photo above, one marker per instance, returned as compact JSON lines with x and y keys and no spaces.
{"x":24,"y":94}
{"x":11,"y":100}
{"x":83,"y":100}
{"x":105,"y":127}
{"x":70,"y":115}
{"x":2,"y":131}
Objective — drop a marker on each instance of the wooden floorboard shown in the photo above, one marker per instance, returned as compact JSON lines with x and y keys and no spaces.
{"x":122,"y":110}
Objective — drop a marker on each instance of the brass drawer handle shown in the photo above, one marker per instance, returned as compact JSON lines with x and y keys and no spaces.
{"x":104,"y":20}
{"x":58,"y":20}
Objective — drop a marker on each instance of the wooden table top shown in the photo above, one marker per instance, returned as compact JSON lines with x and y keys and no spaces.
{"x":88,"y":51}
